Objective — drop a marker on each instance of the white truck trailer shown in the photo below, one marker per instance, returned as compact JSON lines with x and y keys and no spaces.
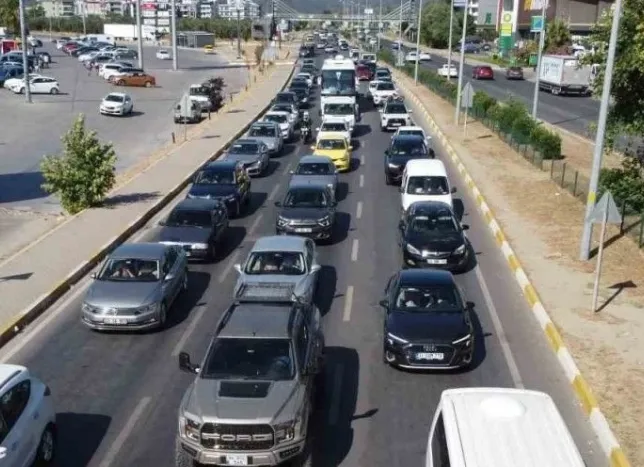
{"x":562,"y":74}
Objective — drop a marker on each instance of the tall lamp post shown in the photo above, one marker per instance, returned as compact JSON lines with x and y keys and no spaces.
{"x":139,"y":32}
{"x":173,"y":25}
{"x":399,"y":60}
{"x":25,"y":60}
{"x":238,"y":30}
{"x":420,"y":10}
{"x":379,"y":24}
{"x":542,"y":42}
{"x":449,"y":46}
{"x":459,"y":91}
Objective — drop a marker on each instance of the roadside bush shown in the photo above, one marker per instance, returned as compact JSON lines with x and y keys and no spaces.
{"x":482,"y":103}
{"x":510,"y":112}
{"x":84,"y":173}
{"x":626,"y":183}
{"x":547,"y":142}
{"x":259,"y":53}
{"x":386,"y":56}
{"x":522,"y":129}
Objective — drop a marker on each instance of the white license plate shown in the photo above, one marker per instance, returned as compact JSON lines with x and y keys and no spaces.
{"x":396,"y":124}
{"x":236,"y":459}
{"x":115,"y":321}
{"x":304,"y":230}
{"x":430,"y":356}
{"x":436,"y":261}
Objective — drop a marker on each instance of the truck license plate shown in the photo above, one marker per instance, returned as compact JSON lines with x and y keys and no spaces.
{"x":236,"y":459}
{"x":304,"y":230}
{"x":115,"y":321}
{"x":436,"y":261}
{"x":430,"y":356}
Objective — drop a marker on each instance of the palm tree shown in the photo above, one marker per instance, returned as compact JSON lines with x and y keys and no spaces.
{"x":10,"y":15}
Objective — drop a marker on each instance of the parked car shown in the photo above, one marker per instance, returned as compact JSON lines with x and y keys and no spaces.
{"x":163,"y":54}
{"x":514,"y":72}
{"x":193,"y":115}
{"x":135,"y":79}
{"x":37,"y":85}
{"x":116,"y":103}
{"x":482,"y":72}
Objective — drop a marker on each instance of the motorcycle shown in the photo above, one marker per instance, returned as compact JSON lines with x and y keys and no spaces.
{"x":305,"y":130}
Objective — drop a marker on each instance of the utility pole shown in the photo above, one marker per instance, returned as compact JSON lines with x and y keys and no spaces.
{"x":139,"y":32}
{"x":542,"y":42}
{"x":380,"y":29}
{"x":459,"y":91}
{"x":173,"y":26}
{"x":84,"y":15}
{"x":587,"y":235}
{"x":25,"y":60}
{"x":400,"y":34}
{"x":239,"y":54}
{"x":50,"y":28}
{"x":420,"y":9}
{"x":449,"y":51}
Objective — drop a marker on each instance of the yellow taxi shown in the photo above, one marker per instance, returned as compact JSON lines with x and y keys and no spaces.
{"x":209,"y":49}
{"x":337,"y":147}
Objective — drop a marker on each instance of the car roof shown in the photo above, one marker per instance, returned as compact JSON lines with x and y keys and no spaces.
{"x":426,"y":277}
{"x":246,"y":141}
{"x":425,"y":167}
{"x":263,"y":123}
{"x":147,"y":250}
{"x":280,"y":243}
{"x":411,"y":128}
{"x":197,"y":204}
{"x":308,"y":183}
{"x":276,"y":112}
{"x":268,"y":321}
{"x":122,"y":94}
{"x":408,"y":138}
{"x":315,"y":159}
{"x":222,"y":164}
{"x":9,"y":371}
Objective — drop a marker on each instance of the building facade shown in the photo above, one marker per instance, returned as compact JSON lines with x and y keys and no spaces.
{"x":247,"y":9}
{"x":57,"y":8}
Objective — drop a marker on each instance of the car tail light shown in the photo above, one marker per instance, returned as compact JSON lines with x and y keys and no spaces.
{"x":47,"y":391}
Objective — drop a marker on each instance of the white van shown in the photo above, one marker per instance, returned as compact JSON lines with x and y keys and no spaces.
{"x":93,"y":38}
{"x":367,"y":57}
{"x":499,"y":427}
{"x":425,"y":180}
{"x":341,"y":107}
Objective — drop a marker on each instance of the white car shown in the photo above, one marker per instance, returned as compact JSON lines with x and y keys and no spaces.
{"x":414,"y":56}
{"x":394,"y":114}
{"x":29,"y":419}
{"x":448,"y":71}
{"x":334,"y":125}
{"x":415,"y":130}
{"x":373,"y":41}
{"x":60,"y":43}
{"x":116,"y":103}
{"x":38,"y":85}
{"x":88,"y":56}
{"x":320,"y":45}
{"x":283,"y":119}
{"x":8,"y":84}
{"x":307,"y":77}
{"x":424,"y":57}
{"x":163,"y":54}
{"x":382,"y":91}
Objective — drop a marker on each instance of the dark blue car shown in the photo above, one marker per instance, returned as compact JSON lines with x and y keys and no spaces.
{"x":226,"y":181}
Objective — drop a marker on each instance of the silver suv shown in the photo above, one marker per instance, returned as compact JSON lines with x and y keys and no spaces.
{"x":254,"y":393}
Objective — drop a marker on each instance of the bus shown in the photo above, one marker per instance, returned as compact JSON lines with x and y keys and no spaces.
{"x":338,"y":78}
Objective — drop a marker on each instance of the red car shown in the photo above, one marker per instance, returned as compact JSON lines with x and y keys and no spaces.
{"x":364,"y":73}
{"x":482,"y":72}
{"x":70,"y":47}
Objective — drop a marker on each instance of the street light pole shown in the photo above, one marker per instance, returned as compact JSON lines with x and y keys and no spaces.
{"x":25,"y":60}
{"x":420,"y":9}
{"x":139,"y":32}
{"x":457,"y":113}
{"x":238,"y":33}
{"x":400,"y":34}
{"x":587,"y":235}
{"x":449,"y":47}
{"x":84,"y":15}
{"x":173,"y":25}
{"x":542,"y":42}
{"x":379,"y":24}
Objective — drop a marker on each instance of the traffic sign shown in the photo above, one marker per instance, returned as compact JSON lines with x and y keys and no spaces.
{"x":606,"y":210}
{"x":467,"y":96}
{"x":186,"y":105}
{"x":536,"y":24}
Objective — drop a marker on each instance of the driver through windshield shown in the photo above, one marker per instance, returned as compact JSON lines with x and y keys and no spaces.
{"x":288,"y":263}
{"x":262,"y":132}
{"x":306,"y":199}
{"x":315,"y":169}
{"x":245,"y":148}
{"x":338,"y":109}
{"x":215,"y":177}
{"x":427,"y":186}
{"x":186,"y":218}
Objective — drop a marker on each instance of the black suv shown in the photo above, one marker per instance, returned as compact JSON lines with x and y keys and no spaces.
{"x":197,"y":225}
{"x":430,"y":236}
{"x":286,"y":97}
{"x":223,"y":180}
{"x":308,"y":209}
{"x":427,"y":323}
{"x":401,"y":150}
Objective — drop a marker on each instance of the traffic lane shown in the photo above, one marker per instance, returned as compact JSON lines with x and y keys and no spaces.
{"x":534,"y":364}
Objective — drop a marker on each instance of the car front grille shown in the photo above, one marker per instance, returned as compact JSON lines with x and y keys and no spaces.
{"x":237,"y":437}
{"x":436,"y":254}
{"x":304,"y":222}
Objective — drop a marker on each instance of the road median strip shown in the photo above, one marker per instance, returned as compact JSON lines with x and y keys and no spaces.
{"x":609,"y":443}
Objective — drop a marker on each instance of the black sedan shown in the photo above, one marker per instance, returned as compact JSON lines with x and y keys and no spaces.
{"x":308,"y":209}
{"x":402,"y":149}
{"x":197,"y":225}
{"x":226,"y":181}
{"x":428,"y":324}
{"x":431,"y":237}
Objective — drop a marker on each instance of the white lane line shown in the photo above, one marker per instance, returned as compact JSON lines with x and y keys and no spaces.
{"x":348,"y":304}
{"x":273,"y":192}
{"x":287,"y":169}
{"x":231,"y":262}
{"x":361,"y":180}
{"x":189,"y":330}
{"x":334,"y":409}
{"x":354,"y":250}
{"x":500,"y":333}
{"x":123,"y":436}
{"x":362,"y":159}
{"x":359,"y":210}
{"x":253,"y":226}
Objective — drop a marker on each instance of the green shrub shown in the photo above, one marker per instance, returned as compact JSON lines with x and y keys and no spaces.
{"x":626,"y":183}
{"x":522,"y":129}
{"x":547,"y":142}
{"x":482,"y":103}
{"x":510,"y":112}
{"x":386,"y":56}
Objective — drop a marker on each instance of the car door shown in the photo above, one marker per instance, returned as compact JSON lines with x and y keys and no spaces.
{"x":310,"y":260}
{"x":169,"y":274}
{"x":35,"y":85}
{"x":218,"y":224}
{"x":21,"y":440}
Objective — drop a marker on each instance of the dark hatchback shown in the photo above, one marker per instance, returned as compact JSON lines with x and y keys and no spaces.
{"x":226,"y":181}
{"x":431,"y":237}
{"x":286,"y":97}
{"x":514,"y":72}
{"x":301,"y":90}
{"x":401,"y":150}
{"x":428,"y":324}
{"x":197,"y":225}
{"x":308,"y":209}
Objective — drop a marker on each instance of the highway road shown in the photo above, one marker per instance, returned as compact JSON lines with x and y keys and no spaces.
{"x":569,"y":112}
{"x":117,"y":394}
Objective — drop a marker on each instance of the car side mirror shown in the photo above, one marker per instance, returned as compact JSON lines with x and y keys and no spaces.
{"x":453,"y":190}
{"x":350,"y":146}
{"x":384,"y":303}
{"x":317,"y":129}
{"x":186,"y":365}
{"x":400,"y":189}
{"x":168,"y":277}
{"x":315,"y":268}
{"x":278,"y":204}
{"x":465,"y":227}
{"x":93,"y":275}
{"x":161,"y":223}
{"x":469,"y":305}
{"x":238,"y":268}
{"x":386,"y":152}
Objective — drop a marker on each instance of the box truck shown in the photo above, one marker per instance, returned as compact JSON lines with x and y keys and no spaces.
{"x":562,"y":74}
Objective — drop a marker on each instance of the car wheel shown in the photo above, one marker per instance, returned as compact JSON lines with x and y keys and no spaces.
{"x":148,"y":84}
{"x":53,"y":91}
{"x":211,"y":254}
{"x":22,"y":91}
{"x":238,"y":209}
{"x":120,"y":82}
{"x":163,"y":315}
{"x":47,"y":447}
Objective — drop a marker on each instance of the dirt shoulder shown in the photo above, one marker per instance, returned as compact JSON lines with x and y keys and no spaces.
{"x":543,"y":223}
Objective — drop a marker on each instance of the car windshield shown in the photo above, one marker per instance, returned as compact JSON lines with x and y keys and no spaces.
{"x":304,"y":76}
{"x":314,"y":168}
{"x":338,"y":109}
{"x":251,"y":359}
{"x":407,"y":148}
{"x":275,"y":118}
{"x":262,"y":131}
{"x":332,"y":144}
{"x":298,"y":83}
{"x":396,"y":108}
{"x":198,"y":91}
{"x":130,"y":270}
{"x":289,"y":263}
{"x":114,"y":98}
{"x":423,"y":299}
{"x":335,"y":126}
{"x":244,"y":148}
{"x":427,"y":185}
{"x":411,"y":133}
{"x":385,"y":87}
{"x":189,"y":218}
{"x":306,"y":198}
{"x":215,"y":177}
{"x":436,"y":225}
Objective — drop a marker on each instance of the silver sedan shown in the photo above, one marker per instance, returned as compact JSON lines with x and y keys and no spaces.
{"x":135,"y":288}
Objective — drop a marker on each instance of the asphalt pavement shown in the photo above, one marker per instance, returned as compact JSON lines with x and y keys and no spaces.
{"x":572,"y":113}
{"x":117,"y":395}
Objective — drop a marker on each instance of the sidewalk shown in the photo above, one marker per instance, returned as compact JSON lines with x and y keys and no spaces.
{"x":48,"y":267}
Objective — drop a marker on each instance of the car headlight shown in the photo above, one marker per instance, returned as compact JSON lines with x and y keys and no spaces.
{"x":282,"y":221}
{"x":270,"y":145}
{"x":392,"y":166}
{"x":325,"y":221}
{"x":463,"y":340}
{"x":286,"y":431}
{"x":394,"y":339}
{"x":413,"y":250}
{"x":147,"y":309}
{"x":460,"y":250}
{"x":87,"y":308}
{"x":199,"y":246}
{"x":189,"y":427}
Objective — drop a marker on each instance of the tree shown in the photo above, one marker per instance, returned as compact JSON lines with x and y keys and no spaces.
{"x":626,"y":114}
{"x":434,"y":26}
{"x":35,"y":11}
{"x":84,"y":173}
{"x":557,"y":36}
{"x":10,"y":15}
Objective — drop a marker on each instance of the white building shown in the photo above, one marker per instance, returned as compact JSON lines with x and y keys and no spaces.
{"x":57,"y":8}
{"x":247,"y":9}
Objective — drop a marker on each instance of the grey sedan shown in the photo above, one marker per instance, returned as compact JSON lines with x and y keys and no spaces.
{"x":269,"y":134}
{"x":135,"y":288}
{"x":319,"y":169}
{"x":252,"y":153}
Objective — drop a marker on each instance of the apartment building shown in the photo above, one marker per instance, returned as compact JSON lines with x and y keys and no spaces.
{"x":247,"y":9}
{"x":58,"y":8}
{"x":206,"y":9}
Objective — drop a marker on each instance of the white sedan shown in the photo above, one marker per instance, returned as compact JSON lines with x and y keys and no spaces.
{"x":8,"y":84}
{"x":88,"y":56}
{"x":116,"y":103}
{"x":163,"y":54}
{"x":448,"y":71}
{"x":38,"y":85}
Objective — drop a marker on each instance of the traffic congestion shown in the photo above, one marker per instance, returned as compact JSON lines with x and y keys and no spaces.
{"x":328,"y":276}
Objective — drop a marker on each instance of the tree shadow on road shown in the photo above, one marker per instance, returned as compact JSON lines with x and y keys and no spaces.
{"x":79,"y":436}
{"x":24,"y":186}
{"x":129,"y":198}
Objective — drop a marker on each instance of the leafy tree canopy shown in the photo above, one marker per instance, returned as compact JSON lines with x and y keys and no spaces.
{"x":10,"y":15}
{"x":434,"y":26}
{"x":557,"y":36}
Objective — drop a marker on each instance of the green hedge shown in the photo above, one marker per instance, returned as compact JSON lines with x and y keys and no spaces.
{"x":509,"y":118}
